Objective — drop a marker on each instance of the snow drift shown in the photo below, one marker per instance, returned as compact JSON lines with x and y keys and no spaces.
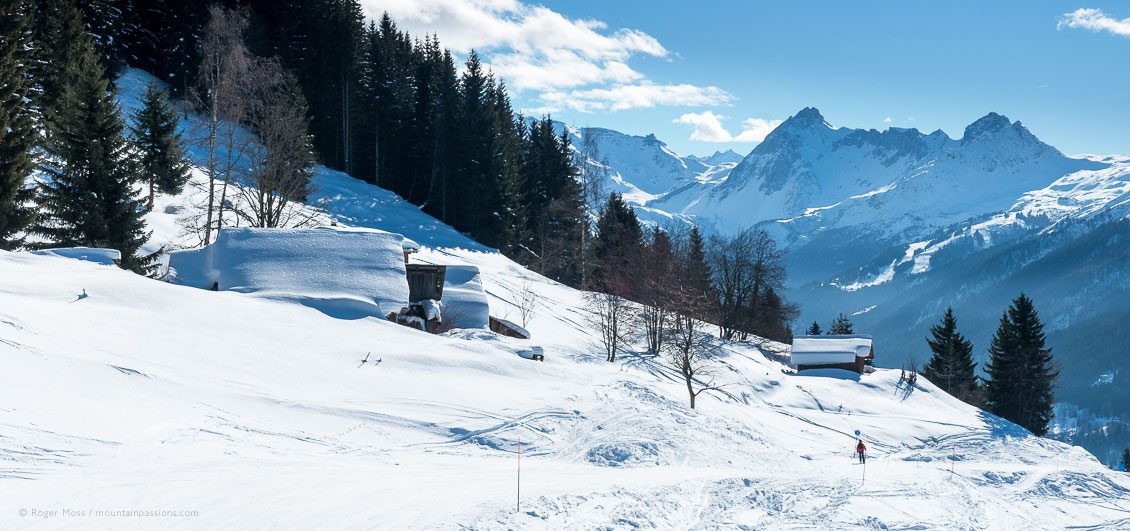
{"x":88,"y":254}
{"x":341,"y":271}
{"x":464,"y":303}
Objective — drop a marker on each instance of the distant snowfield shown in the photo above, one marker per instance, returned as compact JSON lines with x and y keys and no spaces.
{"x":258,"y":413}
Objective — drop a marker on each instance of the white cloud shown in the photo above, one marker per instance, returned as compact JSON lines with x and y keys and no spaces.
{"x":887,"y":120}
{"x":708,"y":128}
{"x":532,"y":47}
{"x":1094,"y":20}
{"x":756,"y":129}
{"x":642,"y":95}
{"x":569,"y":63}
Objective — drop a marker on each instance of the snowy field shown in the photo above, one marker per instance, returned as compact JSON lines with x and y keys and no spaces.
{"x":229,"y":411}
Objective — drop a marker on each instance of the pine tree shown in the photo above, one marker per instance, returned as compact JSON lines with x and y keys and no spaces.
{"x":106,"y":25}
{"x":89,"y":198}
{"x":1040,"y":372}
{"x":477,"y":191}
{"x":1125,"y":462}
{"x":697,"y":275}
{"x":327,"y":71}
{"x":160,"y":149}
{"x":427,"y":63}
{"x":774,"y":317}
{"x":1003,"y":370}
{"x":564,"y":219}
{"x":17,"y":133}
{"x":162,"y":37}
{"x":538,"y":175}
{"x":814,"y":330}
{"x":1021,"y":371}
{"x":841,"y":326}
{"x":617,"y":246}
{"x":553,"y":203}
{"x":951,"y":366}
{"x":510,"y":210}
{"x":443,"y":175}
{"x":58,"y":35}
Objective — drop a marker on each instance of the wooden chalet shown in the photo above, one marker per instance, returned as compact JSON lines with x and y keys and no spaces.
{"x":848,"y":352}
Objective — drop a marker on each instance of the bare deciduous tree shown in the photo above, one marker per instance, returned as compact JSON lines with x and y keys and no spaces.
{"x":656,"y":283}
{"x":223,"y":68}
{"x":747,"y":267}
{"x":279,"y":155}
{"x":593,"y":169}
{"x":526,"y":302}
{"x":689,"y":350}
{"x":612,"y":317}
{"x":593,"y":173}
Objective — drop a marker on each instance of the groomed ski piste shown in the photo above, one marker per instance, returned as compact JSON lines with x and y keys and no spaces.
{"x":124,"y":394}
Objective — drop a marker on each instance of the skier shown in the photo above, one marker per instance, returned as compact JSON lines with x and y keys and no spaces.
{"x":862,"y":451}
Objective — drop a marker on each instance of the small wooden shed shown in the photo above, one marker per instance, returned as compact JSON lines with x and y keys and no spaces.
{"x":425,"y":290}
{"x":425,"y":282}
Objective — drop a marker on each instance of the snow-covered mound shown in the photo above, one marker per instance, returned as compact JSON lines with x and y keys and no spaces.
{"x":341,"y":271}
{"x":464,"y":301}
{"x":89,"y":254}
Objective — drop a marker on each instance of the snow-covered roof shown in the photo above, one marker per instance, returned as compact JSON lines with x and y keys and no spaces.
{"x":515,"y":327}
{"x":817,"y":350}
{"x":88,"y":254}
{"x":346,"y":272}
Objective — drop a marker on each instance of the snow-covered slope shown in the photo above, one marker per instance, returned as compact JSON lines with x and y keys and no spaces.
{"x":255,"y":412}
{"x":247,"y":411}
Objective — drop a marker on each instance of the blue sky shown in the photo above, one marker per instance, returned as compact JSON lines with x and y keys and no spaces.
{"x":710,"y":75}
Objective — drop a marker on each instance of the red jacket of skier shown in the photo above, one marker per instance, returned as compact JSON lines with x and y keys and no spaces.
{"x":859,"y":448}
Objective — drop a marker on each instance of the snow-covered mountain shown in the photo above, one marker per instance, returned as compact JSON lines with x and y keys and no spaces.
{"x":809,"y":176}
{"x":642,"y":167}
{"x":223,"y":409}
{"x":719,"y":157}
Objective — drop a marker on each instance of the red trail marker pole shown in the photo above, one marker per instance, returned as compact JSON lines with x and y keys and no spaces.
{"x":519,"y":474}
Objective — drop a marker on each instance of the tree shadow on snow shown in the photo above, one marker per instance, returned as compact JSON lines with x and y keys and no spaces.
{"x":348,"y":309}
{"x":838,"y":374}
{"x":1000,"y":428}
